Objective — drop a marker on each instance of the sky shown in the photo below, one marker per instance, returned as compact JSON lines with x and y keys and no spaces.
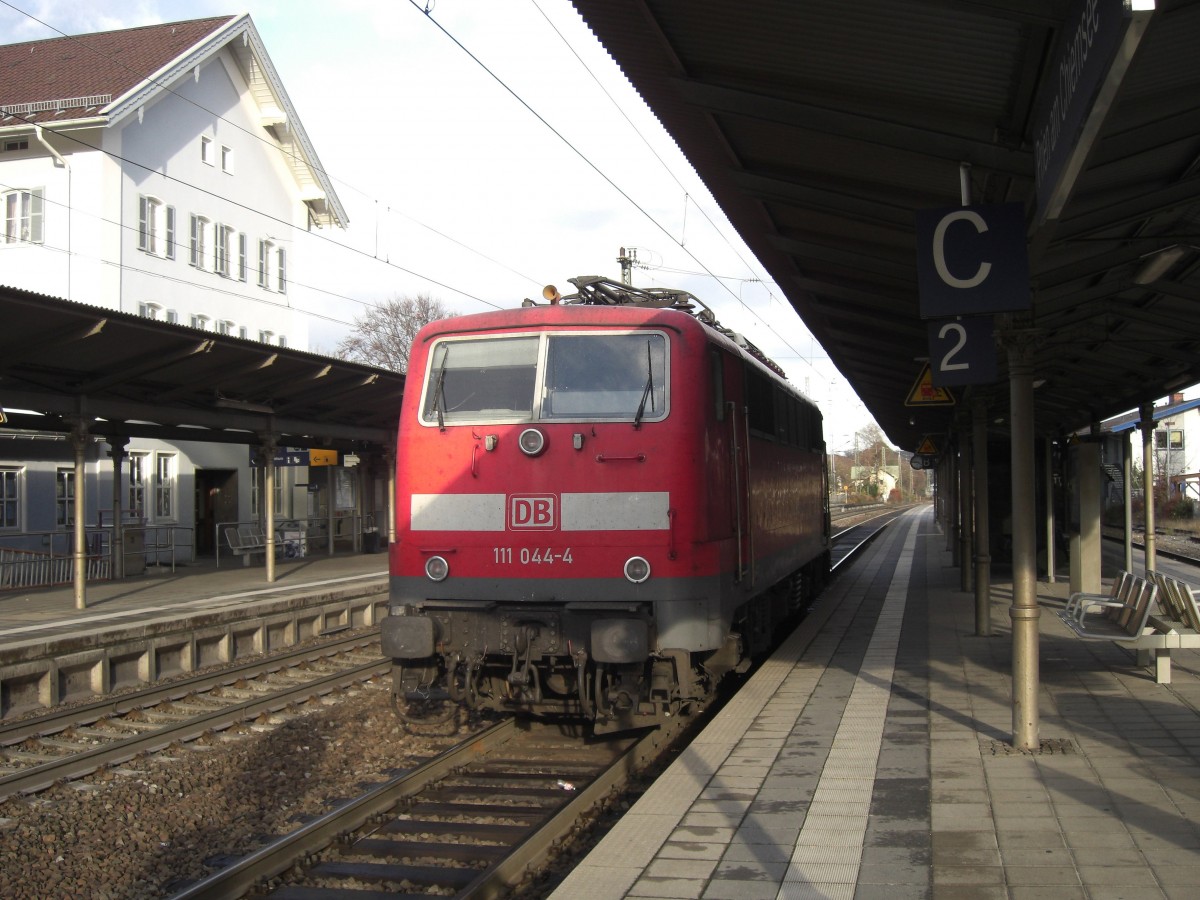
{"x":483,"y":150}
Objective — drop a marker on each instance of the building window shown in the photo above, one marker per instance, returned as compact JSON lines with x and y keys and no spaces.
{"x":64,"y":498}
{"x":1168,"y":439}
{"x":283,"y":340}
{"x":224,"y":326}
{"x":242,"y":241}
{"x":156,"y":227}
{"x":264,"y":263}
{"x":199,"y":240}
{"x":137,"y":485}
{"x":227,"y":160}
{"x":200,"y":322}
{"x":206,"y":151}
{"x":221,"y":239}
{"x":281,"y":271}
{"x":11,"y":146}
{"x":243,"y":332}
{"x":172,"y":317}
{"x":265,"y":336}
{"x":149,"y":310}
{"x":10,"y":498}
{"x":23,"y":216}
{"x":164,"y":487}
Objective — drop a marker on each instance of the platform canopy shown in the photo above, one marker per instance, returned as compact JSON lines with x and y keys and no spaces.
{"x":822,"y":129}
{"x":122,"y":374}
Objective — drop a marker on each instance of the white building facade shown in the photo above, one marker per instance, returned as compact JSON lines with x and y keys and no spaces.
{"x":174,"y":192}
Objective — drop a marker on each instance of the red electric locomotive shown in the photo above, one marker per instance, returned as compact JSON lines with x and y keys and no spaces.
{"x":603,"y":505}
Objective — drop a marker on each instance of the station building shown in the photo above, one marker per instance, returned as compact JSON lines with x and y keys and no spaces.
{"x":162,"y":172}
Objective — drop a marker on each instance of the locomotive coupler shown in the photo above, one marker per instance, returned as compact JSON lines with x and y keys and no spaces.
{"x":581,"y":682}
{"x":527,"y":677}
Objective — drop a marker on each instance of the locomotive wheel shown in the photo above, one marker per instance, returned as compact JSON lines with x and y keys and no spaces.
{"x":423,"y":715}
{"x":420,"y":703}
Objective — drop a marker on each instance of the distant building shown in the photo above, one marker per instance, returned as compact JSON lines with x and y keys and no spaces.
{"x":1176,"y":445}
{"x":160,"y":171}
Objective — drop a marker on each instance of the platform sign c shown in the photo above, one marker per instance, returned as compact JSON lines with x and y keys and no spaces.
{"x":972,"y":260}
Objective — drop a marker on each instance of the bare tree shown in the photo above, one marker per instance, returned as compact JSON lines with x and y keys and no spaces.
{"x":384,"y":334}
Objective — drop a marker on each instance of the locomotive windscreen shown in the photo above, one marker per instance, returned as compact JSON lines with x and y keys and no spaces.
{"x":611,"y":376}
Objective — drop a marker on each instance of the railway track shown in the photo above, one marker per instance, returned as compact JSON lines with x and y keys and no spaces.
{"x":69,"y":743}
{"x":469,"y":823}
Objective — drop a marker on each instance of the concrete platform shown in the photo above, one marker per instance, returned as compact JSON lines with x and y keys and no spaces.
{"x":871,"y":758}
{"x":142,"y":629}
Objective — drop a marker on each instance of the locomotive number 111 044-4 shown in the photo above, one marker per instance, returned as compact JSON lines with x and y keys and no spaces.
{"x":531,"y":556}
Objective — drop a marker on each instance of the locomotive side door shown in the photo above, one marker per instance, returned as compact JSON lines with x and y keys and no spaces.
{"x":735,"y":433}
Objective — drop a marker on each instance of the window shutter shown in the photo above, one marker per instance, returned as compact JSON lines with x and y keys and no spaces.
{"x":195,"y":254}
{"x":282,"y":273}
{"x":143,"y":223}
{"x":170,"y":232}
{"x":36,"y":215}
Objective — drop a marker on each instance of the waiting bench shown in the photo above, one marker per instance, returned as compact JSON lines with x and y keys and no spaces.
{"x":246,"y":541}
{"x":1127,"y":616}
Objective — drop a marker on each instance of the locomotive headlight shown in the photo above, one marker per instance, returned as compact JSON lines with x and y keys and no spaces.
{"x":532,"y":442}
{"x":637,"y":569}
{"x":437,"y":568}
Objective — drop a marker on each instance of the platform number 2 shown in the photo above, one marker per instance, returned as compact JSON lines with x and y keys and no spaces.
{"x":962,"y":351}
{"x":946,"y":363}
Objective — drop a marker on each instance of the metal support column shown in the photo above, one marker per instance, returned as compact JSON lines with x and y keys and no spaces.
{"x":1025,"y":611}
{"x":1147,"y":426}
{"x":983,"y":559}
{"x":966,"y":533}
{"x":117,"y":446}
{"x":1085,"y":542}
{"x":1051,"y":549}
{"x":79,"y":439}
{"x":331,"y":491}
{"x":952,"y":489}
{"x":1127,"y":478}
{"x":391,"y":495}
{"x":269,"y":444}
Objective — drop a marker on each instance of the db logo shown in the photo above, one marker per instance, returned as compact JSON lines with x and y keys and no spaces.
{"x":531,"y":511}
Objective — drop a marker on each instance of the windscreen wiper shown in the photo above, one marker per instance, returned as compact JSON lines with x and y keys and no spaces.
{"x":647,"y":391}
{"x":439,"y":390}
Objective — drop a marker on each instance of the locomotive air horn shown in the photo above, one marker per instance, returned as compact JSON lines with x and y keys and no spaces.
{"x":550,"y":292}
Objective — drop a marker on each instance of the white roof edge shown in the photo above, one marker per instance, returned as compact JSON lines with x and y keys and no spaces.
{"x":126,"y":104}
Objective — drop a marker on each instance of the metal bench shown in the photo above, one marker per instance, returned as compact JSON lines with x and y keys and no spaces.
{"x":1127,"y":616}
{"x":1119,"y":592}
{"x":246,"y":541}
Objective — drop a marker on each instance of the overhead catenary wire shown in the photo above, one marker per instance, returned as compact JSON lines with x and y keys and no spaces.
{"x":426,"y":12}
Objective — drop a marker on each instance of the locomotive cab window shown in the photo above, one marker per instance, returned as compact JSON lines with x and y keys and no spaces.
{"x":606,"y":376}
{"x":490,"y":379}
{"x":597,"y":376}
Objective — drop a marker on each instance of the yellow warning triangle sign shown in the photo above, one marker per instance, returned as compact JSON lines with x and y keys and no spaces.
{"x":923,"y":392}
{"x":927,"y":448}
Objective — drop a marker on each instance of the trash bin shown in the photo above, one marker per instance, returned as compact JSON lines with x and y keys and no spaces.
{"x":370,"y":540}
{"x":134,"y":551}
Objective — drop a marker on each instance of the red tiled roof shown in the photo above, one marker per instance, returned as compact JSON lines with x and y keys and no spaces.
{"x":88,"y":65}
